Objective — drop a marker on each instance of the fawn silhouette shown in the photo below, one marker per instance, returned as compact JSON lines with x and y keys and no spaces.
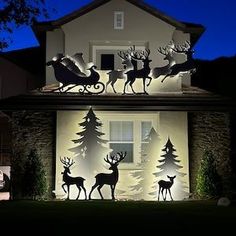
{"x":78,"y":181}
{"x":109,"y":179}
{"x":165,"y":185}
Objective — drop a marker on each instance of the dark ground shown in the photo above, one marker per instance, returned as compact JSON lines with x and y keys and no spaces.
{"x":60,"y":217}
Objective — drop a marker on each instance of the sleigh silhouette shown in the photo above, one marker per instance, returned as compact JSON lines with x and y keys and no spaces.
{"x":67,"y":72}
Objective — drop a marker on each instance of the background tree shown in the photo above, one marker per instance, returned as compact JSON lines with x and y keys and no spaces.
{"x":90,"y":144}
{"x":14,"y":13}
{"x":34,"y":180}
{"x":208,"y":180}
{"x":143,"y":175}
{"x":169,"y":166}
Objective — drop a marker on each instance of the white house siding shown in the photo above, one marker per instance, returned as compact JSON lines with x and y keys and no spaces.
{"x":96,"y":28}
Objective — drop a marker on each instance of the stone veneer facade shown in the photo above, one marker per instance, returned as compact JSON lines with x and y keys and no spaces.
{"x":207,"y":130}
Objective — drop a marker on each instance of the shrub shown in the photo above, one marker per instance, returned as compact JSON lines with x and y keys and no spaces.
{"x":208,"y":180}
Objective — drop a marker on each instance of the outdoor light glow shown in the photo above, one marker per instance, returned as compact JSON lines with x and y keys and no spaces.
{"x":138,"y":179}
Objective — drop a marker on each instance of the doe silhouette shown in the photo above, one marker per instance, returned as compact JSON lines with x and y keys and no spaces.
{"x":68,"y":180}
{"x":109,"y":179}
{"x":165,"y":185}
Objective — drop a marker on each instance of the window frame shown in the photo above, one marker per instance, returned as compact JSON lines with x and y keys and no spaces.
{"x":118,"y":14}
{"x":137,"y":118}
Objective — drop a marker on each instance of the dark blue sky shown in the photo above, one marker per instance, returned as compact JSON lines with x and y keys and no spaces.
{"x":218,"y":16}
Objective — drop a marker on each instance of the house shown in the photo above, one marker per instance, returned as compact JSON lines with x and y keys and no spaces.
{"x":158,"y":130}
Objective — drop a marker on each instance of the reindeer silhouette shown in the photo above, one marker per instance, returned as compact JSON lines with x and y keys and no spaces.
{"x":168,"y":53}
{"x":109,"y":179}
{"x":143,"y":73}
{"x":165,"y":185}
{"x":114,"y":75}
{"x":187,"y":66}
{"x":78,"y":181}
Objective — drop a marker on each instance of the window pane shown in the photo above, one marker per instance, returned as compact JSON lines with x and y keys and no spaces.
{"x":127,"y":131}
{"x":107,"y":62}
{"x":123,"y":147}
{"x":115,"y":131}
{"x":146,"y":127}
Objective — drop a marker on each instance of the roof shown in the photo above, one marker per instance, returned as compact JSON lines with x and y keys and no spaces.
{"x":195,"y":29}
{"x":191,"y":99}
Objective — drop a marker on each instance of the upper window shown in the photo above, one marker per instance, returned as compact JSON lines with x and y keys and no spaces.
{"x":118,"y":20}
{"x":107,"y":62}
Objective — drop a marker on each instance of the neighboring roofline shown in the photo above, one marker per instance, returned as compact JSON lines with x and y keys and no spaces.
{"x":195,"y":29}
{"x":178,"y":102}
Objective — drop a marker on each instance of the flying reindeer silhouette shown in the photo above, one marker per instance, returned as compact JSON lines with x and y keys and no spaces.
{"x":165,"y":185}
{"x":187,"y":66}
{"x":68,"y":180}
{"x":168,"y":53}
{"x":109,"y":179}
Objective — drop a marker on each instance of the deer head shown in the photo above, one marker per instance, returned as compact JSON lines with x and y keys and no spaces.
{"x":67,"y":162}
{"x":114,"y":160}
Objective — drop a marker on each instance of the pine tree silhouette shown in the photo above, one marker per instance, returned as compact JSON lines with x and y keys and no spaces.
{"x":146,"y":167}
{"x":169,"y":166}
{"x":90,"y":144}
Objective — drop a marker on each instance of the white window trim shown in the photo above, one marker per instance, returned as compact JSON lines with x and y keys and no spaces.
{"x":136,"y":118}
{"x":116,"y":15}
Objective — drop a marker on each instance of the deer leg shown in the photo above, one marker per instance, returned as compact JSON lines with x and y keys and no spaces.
{"x":94,"y":186}
{"x":78,"y":192}
{"x":163,"y":194}
{"x":99,"y":190}
{"x":150,"y":79}
{"x":113,"y":192}
{"x":126,"y":82}
{"x":68,"y":188}
{"x":63,"y":187}
{"x":112,"y":84}
{"x":170,"y":194}
{"x":84,"y":192}
{"x":159,"y":193}
{"x":131,"y":85}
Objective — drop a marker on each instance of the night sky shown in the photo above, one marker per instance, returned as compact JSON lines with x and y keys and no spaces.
{"x":218,"y":16}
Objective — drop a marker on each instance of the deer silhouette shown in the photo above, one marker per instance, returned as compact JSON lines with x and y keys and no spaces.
{"x":165,"y":185}
{"x":68,"y":180}
{"x":109,"y":179}
{"x":168,"y":53}
{"x":187,"y":66}
{"x":143,"y":73}
{"x":114,"y":75}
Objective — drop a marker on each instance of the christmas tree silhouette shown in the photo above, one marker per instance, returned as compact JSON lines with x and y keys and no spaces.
{"x":90,"y":144}
{"x":170,"y":166}
{"x":143,"y":175}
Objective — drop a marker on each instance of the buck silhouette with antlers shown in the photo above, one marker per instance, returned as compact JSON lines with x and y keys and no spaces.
{"x":109,"y":179}
{"x":165,"y":185}
{"x":143,"y":73}
{"x":68,"y":180}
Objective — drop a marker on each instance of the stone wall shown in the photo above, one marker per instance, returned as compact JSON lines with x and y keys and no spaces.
{"x":35,"y":130}
{"x":211,"y":131}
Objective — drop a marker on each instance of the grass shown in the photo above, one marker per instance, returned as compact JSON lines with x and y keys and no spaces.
{"x":57,"y":217}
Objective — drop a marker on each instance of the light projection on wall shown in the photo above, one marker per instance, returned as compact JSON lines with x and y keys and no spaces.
{"x":72,"y":71}
{"x":4,"y":182}
{"x":169,"y":167}
{"x":133,"y":140}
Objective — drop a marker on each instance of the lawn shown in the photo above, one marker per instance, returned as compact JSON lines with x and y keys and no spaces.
{"x":58,"y":217}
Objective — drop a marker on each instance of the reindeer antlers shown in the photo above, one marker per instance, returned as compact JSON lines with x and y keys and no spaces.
{"x":115,"y":159}
{"x":67,"y":161}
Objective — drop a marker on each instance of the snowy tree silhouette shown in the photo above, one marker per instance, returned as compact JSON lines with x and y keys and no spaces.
{"x":143,"y":175}
{"x":90,"y":144}
{"x":169,"y":166}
